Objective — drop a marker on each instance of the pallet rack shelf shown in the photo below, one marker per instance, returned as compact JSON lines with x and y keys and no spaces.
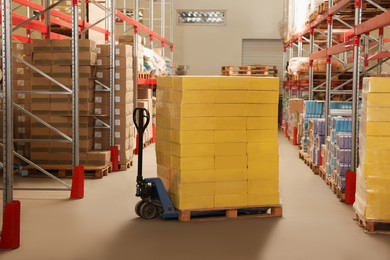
{"x":40,"y":23}
{"x":346,"y":25}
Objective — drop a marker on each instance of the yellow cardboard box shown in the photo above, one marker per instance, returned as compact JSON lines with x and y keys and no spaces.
{"x":192,"y":150}
{"x":230,"y":136}
{"x":230,"y":200}
{"x":257,"y":136}
{"x":231,"y":175}
{"x":193,"y":163}
{"x":194,"y":176}
{"x":262,"y":123}
{"x":262,"y":148}
{"x":230,"y":123}
{"x":193,"y":202}
{"x":262,"y":97}
{"x":263,"y":200}
{"x":264,"y":187}
{"x":231,"y":162}
{"x":231,"y":187}
{"x":226,"y":149}
{"x":231,"y":97}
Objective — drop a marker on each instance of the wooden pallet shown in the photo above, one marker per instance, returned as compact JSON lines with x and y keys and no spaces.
{"x":254,"y":71}
{"x":340,"y":194}
{"x":372,"y":226}
{"x":322,"y":173}
{"x":125,"y":166}
{"x":301,"y":154}
{"x":143,"y":75}
{"x":66,"y":171}
{"x":198,"y":215}
{"x":314,"y":167}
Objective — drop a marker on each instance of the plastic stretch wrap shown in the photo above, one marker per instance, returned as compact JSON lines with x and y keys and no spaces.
{"x":373,"y":174}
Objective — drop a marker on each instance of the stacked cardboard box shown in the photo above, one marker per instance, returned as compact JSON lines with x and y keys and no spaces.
{"x":217,"y":141}
{"x":53,"y":57}
{"x":21,"y":75}
{"x":129,"y":40}
{"x":373,"y":175}
{"x":124,"y":128}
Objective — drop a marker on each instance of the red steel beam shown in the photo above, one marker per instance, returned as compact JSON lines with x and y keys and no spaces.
{"x":377,"y":22}
{"x":340,"y":48}
{"x":142,"y":27}
{"x":21,"y":38}
{"x":320,"y":18}
{"x":33,"y":25}
{"x":340,"y":5}
{"x":380,"y":55}
{"x":318,"y":55}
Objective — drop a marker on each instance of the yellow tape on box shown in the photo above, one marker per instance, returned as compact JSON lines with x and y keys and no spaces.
{"x":258,"y":136}
{"x":193,"y":189}
{"x":193,"y":123}
{"x":193,"y":97}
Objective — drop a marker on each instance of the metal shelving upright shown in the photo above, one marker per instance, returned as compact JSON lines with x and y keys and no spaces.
{"x":353,"y":35}
{"x":10,"y":238}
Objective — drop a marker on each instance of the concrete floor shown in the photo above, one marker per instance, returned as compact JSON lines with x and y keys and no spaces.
{"x":103,"y":225}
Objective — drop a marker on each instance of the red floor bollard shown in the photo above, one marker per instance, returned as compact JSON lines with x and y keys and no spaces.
{"x":10,"y":235}
{"x":77,"y":191}
{"x":286,"y":130}
{"x":295,"y":136}
{"x":350,"y":187}
{"x":114,"y":158}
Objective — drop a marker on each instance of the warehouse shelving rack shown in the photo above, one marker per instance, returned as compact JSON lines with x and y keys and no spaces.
{"x":10,"y":238}
{"x":367,"y":16}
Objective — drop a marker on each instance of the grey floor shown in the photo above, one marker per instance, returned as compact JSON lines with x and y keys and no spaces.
{"x":103,"y":225}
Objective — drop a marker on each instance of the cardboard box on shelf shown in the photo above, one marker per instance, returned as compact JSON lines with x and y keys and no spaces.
{"x":41,"y":45}
{"x":85,"y":58}
{"x":296,"y":105}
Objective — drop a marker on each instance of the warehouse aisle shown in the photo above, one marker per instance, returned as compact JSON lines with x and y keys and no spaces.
{"x":103,"y":225}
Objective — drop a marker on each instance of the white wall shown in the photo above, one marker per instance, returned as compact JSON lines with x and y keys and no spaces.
{"x":206,"y":48}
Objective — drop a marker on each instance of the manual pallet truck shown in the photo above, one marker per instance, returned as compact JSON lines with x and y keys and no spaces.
{"x":155,"y":201}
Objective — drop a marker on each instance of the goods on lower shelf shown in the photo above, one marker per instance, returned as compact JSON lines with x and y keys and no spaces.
{"x":217,"y":141}
{"x":312,"y":109}
{"x":373,"y":176}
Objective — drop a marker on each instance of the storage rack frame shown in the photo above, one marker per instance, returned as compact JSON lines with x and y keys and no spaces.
{"x":10,"y":238}
{"x":351,"y":42}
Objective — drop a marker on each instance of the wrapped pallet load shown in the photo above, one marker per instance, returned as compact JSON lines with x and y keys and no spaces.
{"x":217,"y":141}
{"x":373,"y":174}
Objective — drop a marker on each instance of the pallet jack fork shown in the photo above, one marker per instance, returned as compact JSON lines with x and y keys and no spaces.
{"x":155,"y":201}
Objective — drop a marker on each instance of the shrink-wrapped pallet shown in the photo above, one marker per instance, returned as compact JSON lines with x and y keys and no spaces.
{"x":217,"y":141}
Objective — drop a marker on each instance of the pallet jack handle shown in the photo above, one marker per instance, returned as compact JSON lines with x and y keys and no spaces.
{"x":141,"y":118}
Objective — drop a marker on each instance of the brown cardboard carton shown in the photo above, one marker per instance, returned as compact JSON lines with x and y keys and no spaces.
{"x":85,"y":58}
{"x":296,"y":105}
{"x":42,"y":58}
{"x":41,"y":45}
{"x":144,"y":92}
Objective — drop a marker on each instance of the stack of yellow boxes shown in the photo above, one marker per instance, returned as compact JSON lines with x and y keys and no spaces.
{"x":373,"y":174}
{"x":217,"y":143}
